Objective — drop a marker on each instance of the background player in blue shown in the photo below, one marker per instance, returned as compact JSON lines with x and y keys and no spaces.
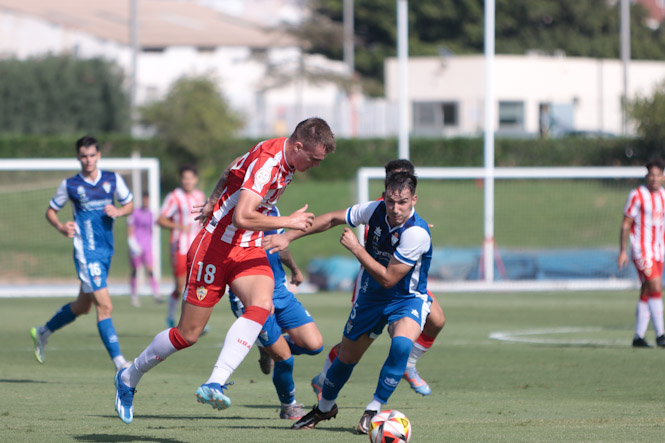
{"x":91,"y":193}
{"x":291,"y":317}
{"x":392,"y":291}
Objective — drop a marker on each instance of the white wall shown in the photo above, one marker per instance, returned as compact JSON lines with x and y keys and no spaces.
{"x":594,"y":86}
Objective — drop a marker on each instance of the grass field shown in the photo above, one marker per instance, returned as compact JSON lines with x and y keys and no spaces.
{"x":583,"y":383}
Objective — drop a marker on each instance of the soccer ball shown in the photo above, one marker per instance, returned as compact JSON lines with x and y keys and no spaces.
{"x":390,"y":427}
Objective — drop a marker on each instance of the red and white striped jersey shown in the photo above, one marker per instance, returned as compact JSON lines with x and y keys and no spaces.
{"x":646,"y":235}
{"x":178,"y":208}
{"x":264,"y":171}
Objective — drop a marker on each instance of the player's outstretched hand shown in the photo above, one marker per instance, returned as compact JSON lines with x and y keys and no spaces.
{"x":275,"y":243}
{"x":349,"y":239}
{"x":300,"y":219}
{"x":204,"y":210}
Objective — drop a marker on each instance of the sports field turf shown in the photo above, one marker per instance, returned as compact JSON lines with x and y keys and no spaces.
{"x":574,"y":376}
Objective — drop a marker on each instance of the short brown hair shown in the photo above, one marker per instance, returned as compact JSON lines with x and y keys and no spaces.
{"x":315,"y":131}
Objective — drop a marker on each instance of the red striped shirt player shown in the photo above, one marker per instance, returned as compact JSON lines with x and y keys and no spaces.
{"x":176,"y":215}
{"x":643,"y":223}
{"x":228,"y":251}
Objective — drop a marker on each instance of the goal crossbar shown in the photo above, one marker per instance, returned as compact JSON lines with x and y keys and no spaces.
{"x":133,"y":164}
{"x":364,"y":175}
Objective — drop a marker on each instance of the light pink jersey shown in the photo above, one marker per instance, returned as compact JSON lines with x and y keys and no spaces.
{"x":646,"y":236}
{"x":178,"y":207}
{"x":264,"y":171}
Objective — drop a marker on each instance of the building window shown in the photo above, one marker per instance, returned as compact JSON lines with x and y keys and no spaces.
{"x":434,"y":117}
{"x":511,"y":116}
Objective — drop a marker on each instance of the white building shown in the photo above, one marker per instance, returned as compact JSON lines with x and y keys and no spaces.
{"x":446,"y":94}
{"x":179,"y":38}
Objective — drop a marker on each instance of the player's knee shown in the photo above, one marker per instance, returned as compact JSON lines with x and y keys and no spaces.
{"x":435,"y":323}
{"x":315,"y":345}
{"x":261,"y":303}
{"x":316,"y":351}
{"x":400,"y":347}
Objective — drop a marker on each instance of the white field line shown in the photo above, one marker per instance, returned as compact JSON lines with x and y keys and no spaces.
{"x":535,"y":336}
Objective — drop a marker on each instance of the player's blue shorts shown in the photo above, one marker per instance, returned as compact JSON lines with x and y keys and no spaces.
{"x":370,"y":315}
{"x":289,"y":314}
{"x":92,"y":271}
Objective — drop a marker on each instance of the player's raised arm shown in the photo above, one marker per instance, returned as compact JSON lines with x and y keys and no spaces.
{"x":247,"y":217}
{"x":321,"y":223}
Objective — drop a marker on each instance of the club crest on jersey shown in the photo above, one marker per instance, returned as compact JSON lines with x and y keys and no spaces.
{"x":107,"y":187}
{"x":394,"y":239}
{"x":201,"y":293}
{"x":262,"y":176}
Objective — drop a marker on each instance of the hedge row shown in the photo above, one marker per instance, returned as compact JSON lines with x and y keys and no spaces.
{"x":352,"y":154}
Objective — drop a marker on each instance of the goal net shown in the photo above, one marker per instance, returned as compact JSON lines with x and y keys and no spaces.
{"x":36,"y":260}
{"x":554,"y":228}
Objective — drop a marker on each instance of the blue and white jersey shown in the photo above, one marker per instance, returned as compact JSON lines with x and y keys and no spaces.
{"x":275,"y":263}
{"x":94,"y":229}
{"x":410,"y":243}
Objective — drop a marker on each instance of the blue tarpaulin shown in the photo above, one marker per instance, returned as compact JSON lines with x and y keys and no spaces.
{"x":458,"y":264}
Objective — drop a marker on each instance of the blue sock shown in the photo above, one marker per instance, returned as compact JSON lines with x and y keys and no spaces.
{"x":63,"y":317}
{"x":393,"y":368}
{"x":109,"y":337}
{"x":282,"y":378}
{"x":297,"y":350}
{"x":338,"y":374}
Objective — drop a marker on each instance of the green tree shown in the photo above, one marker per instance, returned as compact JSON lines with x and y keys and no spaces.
{"x":579,"y":28}
{"x":62,"y":94}
{"x":648,"y":113}
{"x":192,"y":119}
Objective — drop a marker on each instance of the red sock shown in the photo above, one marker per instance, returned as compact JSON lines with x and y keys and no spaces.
{"x":177,"y":340}
{"x":425,"y":340}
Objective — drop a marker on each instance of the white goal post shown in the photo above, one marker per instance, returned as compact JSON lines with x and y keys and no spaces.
{"x":365,"y":175}
{"x":134,"y":166}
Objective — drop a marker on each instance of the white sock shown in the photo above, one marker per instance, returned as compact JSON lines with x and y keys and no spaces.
{"x":642,"y":317}
{"x":119,"y":361}
{"x":326,"y":365}
{"x":325,"y":405}
{"x":239,"y":340}
{"x":44,"y":332}
{"x":374,"y":405}
{"x":656,"y":309}
{"x":156,"y":352}
{"x":417,"y":351}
